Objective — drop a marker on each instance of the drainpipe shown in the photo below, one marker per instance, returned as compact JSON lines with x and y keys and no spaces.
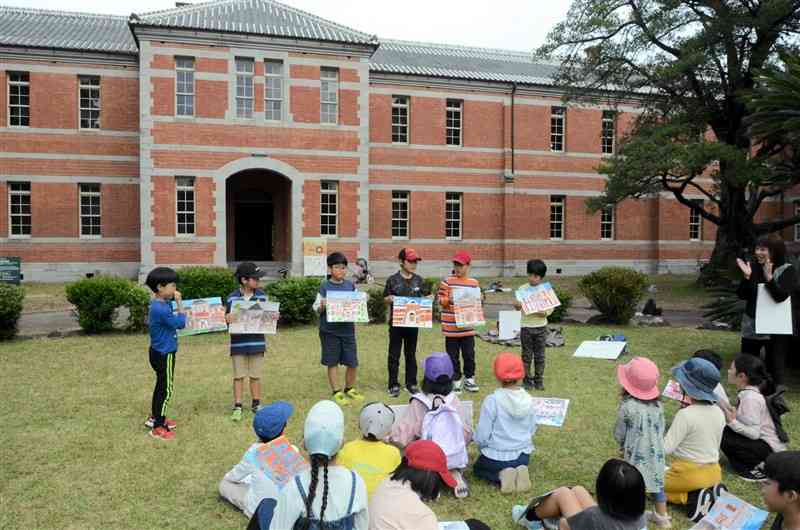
{"x":513,"y":92}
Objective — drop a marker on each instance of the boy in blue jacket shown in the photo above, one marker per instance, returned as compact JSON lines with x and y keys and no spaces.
{"x":163,"y":324}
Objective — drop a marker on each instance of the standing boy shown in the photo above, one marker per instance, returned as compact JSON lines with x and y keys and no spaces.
{"x":247,"y":349}
{"x":458,"y":341}
{"x":781,"y":491}
{"x":533,"y":334}
{"x":163,"y":326}
{"x":338,"y":339}
{"x":404,"y":282}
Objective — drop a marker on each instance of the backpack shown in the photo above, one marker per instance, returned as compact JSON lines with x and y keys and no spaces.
{"x":442,"y":424}
{"x":776,"y":405}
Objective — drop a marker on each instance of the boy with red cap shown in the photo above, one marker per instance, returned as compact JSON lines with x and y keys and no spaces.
{"x":458,"y":341}
{"x":506,"y":428}
{"x":404,"y":282}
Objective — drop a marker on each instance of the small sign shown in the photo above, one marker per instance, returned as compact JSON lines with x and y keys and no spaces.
{"x":550,"y":411}
{"x":537,"y":298}
{"x":412,"y":312}
{"x":256,"y":315}
{"x":203,"y":315}
{"x":467,"y":307}
{"x":10,"y":270}
{"x":315,"y":251}
{"x":346,"y":306}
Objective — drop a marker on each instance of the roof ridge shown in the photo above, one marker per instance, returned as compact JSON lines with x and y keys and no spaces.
{"x":461,"y":47}
{"x":58,"y":12}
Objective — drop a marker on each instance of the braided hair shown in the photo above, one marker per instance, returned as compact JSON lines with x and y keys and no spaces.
{"x":317,"y":461}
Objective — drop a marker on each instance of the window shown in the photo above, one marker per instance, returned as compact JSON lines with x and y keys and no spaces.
{"x":184,"y":86}
{"x":609,"y":126}
{"x":557,"y":122}
{"x":273,"y":90}
{"x":607,"y":222}
{"x":454,"y":122}
{"x":19,"y":99}
{"x":328,"y":208}
{"x":695,"y":222}
{"x":244,"y":87}
{"x":797,"y":226}
{"x":19,"y":208}
{"x":452,"y":215}
{"x":557,"y":203}
{"x":399,"y":119}
{"x":90,"y":210}
{"x":184,"y":193}
{"x":89,"y":101}
{"x":400,"y":214}
{"x":329,"y":95}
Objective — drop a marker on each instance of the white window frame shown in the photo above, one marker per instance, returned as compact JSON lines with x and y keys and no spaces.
{"x":184,"y":185}
{"x":21,"y":84}
{"x":454,"y":113}
{"x":329,"y":191}
{"x":11,"y":215}
{"x":608,"y":142}
{"x":90,"y":191}
{"x":401,"y":105}
{"x":558,"y":117}
{"x":87,"y":82}
{"x":797,"y":226}
{"x":271,"y":98}
{"x":696,"y":221}
{"x":400,"y":198}
{"x":608,"y":217}
{"x":558,"y":217}
{"x":182,"y":69}
{"x":245,"y":74}
{"x":451,"y":198}
{"x":328,"y":97}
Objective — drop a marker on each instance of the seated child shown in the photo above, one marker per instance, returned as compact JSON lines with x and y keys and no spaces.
{"x":620,"y":503}
{"x":781,"y":491}
{"x":268,"y":465}
{"x":719,"y":391}
{"x":436,"y":414}
{"x":505,"y":429}
{"x":371,"y":457}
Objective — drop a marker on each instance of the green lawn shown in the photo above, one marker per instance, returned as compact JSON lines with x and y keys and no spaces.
{"x":45,"y":297}
{"x":75,"y":453}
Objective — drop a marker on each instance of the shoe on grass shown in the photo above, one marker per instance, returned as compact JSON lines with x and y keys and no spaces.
{"x":462,"y":488}
{"x":661,"y":521}
{"x":236,"y":415}
{"x":457,"y":384}
{"x":470,"y":385}
{"x":700,"y":503}
{"x":412,"y":389}
{"x":508,"y":480}
{"x":394,"y":391}
{"x":162,"y":433}
{"x":340,"y":398}
{"x":354,"y":394}
{"x":151,"y":422}
{"x":518,"y":514}
{"x":538,"y":385}
{"x":523,"y":479}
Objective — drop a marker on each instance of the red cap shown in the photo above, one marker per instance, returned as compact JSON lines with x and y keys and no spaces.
{"x":409,"y":254}
{"x":508,"y":367}
{"x":428,"y":456}
{"x":462,"y":257}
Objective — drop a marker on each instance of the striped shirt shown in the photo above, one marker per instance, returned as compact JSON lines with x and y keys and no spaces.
{"x":448,"y":316}
{"x":246,"y":343}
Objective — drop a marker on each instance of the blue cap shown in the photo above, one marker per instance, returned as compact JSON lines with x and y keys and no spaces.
{"x":323,"y":432}
{"x":270,"y":419}
{"x":698,"y":378}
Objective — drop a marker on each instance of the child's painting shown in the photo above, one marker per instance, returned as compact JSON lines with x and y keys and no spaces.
{"x":315,"y":251}
{"x":203,"y":315}
{"x":550,"y":411}
{"x":256,"y":315}
{"x":732,"y":513}
{"x":412,"y":312}
{"x":673,"y":391}
{"x":346,"y":306}
{"x":468,"y":307}
{"x":278,"y":460}
{"x":537,"y":298}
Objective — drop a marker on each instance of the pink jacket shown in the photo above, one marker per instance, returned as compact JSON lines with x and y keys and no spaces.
{"x":409,"y":427}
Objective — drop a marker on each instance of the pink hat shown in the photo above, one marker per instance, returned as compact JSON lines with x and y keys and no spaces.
{"x":640,"y":378}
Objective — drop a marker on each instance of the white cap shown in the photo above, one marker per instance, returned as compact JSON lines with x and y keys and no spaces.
{"x":376,"y":419}
{"x":323,"y":432}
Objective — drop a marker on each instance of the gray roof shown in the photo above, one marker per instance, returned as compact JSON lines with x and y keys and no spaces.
{"x":460,"y":62}
{"x":263,"y":17}
{"x":40,"y":28}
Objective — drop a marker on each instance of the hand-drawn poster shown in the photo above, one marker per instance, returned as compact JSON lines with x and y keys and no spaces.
{"x":550,"y":411}
{"x":412,"y":312}
{"x":278,"y":459}
{"x":537,"y":298}
{"x":256,"y":315}
{"x":467,"y":307}
{"x":732,"y":513}
{"x":346,"y":306}
{"x":315,"y":252}
{"x":673,"y":391}
{"x":203,"y":315}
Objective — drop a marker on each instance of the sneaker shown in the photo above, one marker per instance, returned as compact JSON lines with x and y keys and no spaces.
{"x":470,"y":385}
{"x":661,"y":521}
{"x":162,"y":433}
{"x":340,"y":398}
{"x":508,"y":480}
{"x":255,"y":407}
{"x":523,"y":479}
{"x":719,"y":490}
{"x":700,"y":503}
{"x":412,"y":389}
{"x":518,"y":514}
{"x":237,"y":414}
{"x":538,"y":385}
{"x":754,"y":475}
{"x":527,"y":384}
{"x":462,"y":488}
{"x":394,"y":391}
{"x":457,"y":386}
{"x":151,"y":422}
{"x":354,"y":394}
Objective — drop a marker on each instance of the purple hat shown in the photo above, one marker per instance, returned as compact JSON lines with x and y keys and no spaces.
{"x":436,"y":365}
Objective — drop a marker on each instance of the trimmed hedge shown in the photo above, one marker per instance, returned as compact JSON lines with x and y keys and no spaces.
{"x":11,"y":298}
{"x":376,"y":305}
{"x":296,"y":296}
{"x":98,"y":299}
{"x":560,"y":312}
{"x":430,"y":286}
{"x":615,"y":292}
{"x":206,"y":282}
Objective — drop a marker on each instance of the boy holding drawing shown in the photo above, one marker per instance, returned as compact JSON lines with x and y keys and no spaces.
{"x":533,"y":334}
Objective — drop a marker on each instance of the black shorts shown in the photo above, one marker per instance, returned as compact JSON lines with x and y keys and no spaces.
{"x":337,"y":349}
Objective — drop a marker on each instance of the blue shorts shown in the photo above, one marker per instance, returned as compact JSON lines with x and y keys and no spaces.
{"x":337,"y":349}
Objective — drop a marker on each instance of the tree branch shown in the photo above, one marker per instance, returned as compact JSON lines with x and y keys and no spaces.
{"x":774,"y":226}
{"x":678,"y":193}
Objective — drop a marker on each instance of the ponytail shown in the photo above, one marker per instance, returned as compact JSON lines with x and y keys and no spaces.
{"x":317,"y":460}
{"x":754,"y":370}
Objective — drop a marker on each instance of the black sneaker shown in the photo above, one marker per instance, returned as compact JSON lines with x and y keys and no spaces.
{"x":527,"y":384}
{"x":754,"y":475}
{"x":412,"y":389}
{"x":394,"y":391}
{"x":538,"y":385}
{"x":700,"y":503}
{"x":719,"y":490}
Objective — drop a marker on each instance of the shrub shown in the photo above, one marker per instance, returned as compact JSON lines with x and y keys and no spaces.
{"x":205,"y":282}
{"x":615,"y":292}
{"x":560,"y":312}
{"x":376,"y":306}
{"x":97,"y":300}
{"x":296,"y":296}
{"x":430,"y":286}
{"x":138,"y":304}
{"x":11,"y":297}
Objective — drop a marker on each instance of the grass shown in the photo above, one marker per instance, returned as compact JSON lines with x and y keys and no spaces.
{"x":40,"y":297}
{"x":75,"y":453}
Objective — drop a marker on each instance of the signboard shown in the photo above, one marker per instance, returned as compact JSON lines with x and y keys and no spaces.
{"x":600,"y":349}
{"x":537,"y":298}
{"x":256,"y":315}
{"x":315,"y":252}
{"x":346,"y":306}
{"x":412,"y":312}
{"x":10,"y":270}
{"x":467,"y":307}
{"x":203,"y":315}
{"x":772,"y":318}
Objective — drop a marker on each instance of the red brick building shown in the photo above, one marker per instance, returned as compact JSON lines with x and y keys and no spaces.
{"x":232,"y":130}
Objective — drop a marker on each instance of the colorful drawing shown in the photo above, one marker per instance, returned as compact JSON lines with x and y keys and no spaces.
{"x":346,"y":306}
{"x":279,"y":460}
{"x":315,"y":251}
{"x":673,"y":391}
{"x":256,"y":315}
{"x":203,"y":315}
{"x":732,"y":513}
{"x":550,"y":411}
{"x":468,"y":307}
{"x":537,"y":298}
{"x":412,"y":312}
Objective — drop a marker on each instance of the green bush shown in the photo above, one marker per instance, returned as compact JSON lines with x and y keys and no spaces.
{"x":205,"y":282}
{"x":138,"y":304}
{"x":11,"y":297}
{"x":376,"y":306}
{"x":296,"y":296}
{"x":615,"y":292}
{"x":560,"y":312}
{"x":430,"y":286}
{"x":97,"y":300}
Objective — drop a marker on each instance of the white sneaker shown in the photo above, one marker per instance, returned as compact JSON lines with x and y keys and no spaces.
{"x":661,"y":521}
{"x":470,"y":385}
{"x":518,"y":514}
{"x":462,"y":488}
{"x":457,"y":386}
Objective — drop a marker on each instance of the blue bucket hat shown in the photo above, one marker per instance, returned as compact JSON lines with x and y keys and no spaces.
{"x":698,"y":378}
{"x":323,"y":432}
{"x":270,"y":419}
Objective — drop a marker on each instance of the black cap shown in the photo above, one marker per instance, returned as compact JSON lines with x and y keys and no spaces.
{"x":248,"y":269}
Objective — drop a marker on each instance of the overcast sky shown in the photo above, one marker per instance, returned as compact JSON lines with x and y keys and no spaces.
{"x":509,"y":24}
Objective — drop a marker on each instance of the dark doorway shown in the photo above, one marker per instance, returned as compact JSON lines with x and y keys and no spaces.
{"x":253,"y":236}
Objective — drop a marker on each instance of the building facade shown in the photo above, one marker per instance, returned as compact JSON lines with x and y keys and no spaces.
{"x":233,"y":130}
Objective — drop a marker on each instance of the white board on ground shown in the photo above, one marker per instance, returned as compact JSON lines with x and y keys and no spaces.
{"x":510,"y":323}
{"x":600,"y":349}
{"x":772,"y":318}
{"x":466,"y":406}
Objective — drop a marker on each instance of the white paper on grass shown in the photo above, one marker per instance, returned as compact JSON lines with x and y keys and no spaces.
{"x":453,"y":525}
{"x":772,"y":318}
{"x":510,"y":324}
{"x":600,"y":349}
